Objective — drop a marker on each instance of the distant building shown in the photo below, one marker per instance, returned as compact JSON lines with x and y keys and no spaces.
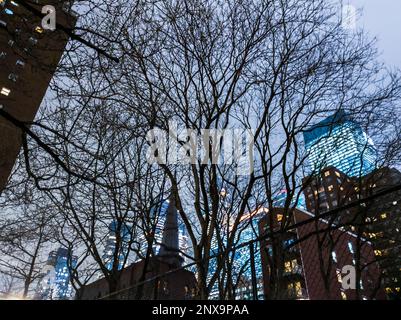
{"x":312,"y":268}
{"x":158,"y":284}
{"x":378,"y":220}
{"x":125,"y":236}
{"x":55,"y":281}
{"x":29,"y":56}
{"x":339,"y":141}
{"x":159,"y":215}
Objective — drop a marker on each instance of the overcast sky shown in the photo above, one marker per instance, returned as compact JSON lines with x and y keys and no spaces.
{"x":382,"y":18}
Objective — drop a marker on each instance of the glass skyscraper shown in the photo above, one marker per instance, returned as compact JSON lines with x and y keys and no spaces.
{"x":160,"y":218}
{"x":55,"y":281}
{"x":339,"y":141}
{"x":108,"y":256}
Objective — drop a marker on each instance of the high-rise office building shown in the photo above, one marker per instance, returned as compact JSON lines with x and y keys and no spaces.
{"x":160,"y":214}
{"x":108,"y":255}
{"x":29,"y":55}
{"x":340,"y":141}
{"x":55,"y":281}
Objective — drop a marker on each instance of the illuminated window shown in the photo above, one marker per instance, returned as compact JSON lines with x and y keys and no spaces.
{"x":383,"y":216}
{"x":287,"y":267}
{"x":338,"y":174}
{"x":39,"y":29}
{"x":9,"y":12}
{"x":327,"y":173}
{"x":279,"y":217}
{"x":378,"y":253}
{"x":339,"y":277}
{"x":334,"y":256}
{"x":343,"y":295}
{"x":330,"y":188}
{"x":388,"y":290}
{"x":5,"y":91}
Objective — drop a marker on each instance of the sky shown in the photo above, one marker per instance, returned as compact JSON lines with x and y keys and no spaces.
{"x":382,"y":18}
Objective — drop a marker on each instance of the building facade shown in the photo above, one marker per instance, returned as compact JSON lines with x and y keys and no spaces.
{"x":308,"y":263}
{"x":29,"y":56}
{"x":378,"y":220}
{"x":339,"y":141}
{"x":110,"y":247}
{"x":55,"y":282}
{"x":151,"y":278}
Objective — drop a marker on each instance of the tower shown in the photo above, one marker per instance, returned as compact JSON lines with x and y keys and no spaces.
{"x":339,"y":141}
{"x":169,"y":248}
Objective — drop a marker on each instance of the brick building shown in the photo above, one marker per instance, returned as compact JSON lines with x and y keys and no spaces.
{"x":29,"y":56}
{"x":309,"y":259}
{"x":161,"y":275}
{"x":378,"y":220}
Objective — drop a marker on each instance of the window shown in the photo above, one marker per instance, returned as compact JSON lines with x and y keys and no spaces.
{"x":13,"y":77}
{"x":33,"y":41}
{"x":383,"y":216}
{"x":334,"y":256}
{"x":5,"y":91}
{"x":339,"y":276}
{"x":3,"y":55}
{"x":20,"y":63}
{"x":330,"y":188}
{"x":343,"y":295}
{"x":350,"y":247}
{"x":327,"y":173}
{"x":9,"y":12}
{"x":378,"y":253}
{"x":11,"y":43}
{"x":279,"y":217}
{"x":39,"y":29}
{"x":338,"y":174}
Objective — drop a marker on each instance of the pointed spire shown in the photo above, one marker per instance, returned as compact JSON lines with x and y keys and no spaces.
{"x":169,"y":249}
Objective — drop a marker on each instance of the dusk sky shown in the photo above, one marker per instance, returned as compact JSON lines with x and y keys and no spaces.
{"x":382,"y":18}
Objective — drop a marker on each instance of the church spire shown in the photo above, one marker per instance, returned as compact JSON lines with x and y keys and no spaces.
{"x":169,"y":249}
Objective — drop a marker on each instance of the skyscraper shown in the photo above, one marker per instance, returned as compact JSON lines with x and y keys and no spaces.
{"x":339,"y":141}
{"x":108,"y":255}
{"x":29,"y":56}
{"x":160,"y":218}
{"x":55,"y":281}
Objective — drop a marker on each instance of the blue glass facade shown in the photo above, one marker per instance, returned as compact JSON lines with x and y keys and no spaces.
{"x":160,"y":217}
{"x":55,"y":283}
{"x":340,"y":142}
{"x":108,"y":256}
{"x":242,"y":272}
